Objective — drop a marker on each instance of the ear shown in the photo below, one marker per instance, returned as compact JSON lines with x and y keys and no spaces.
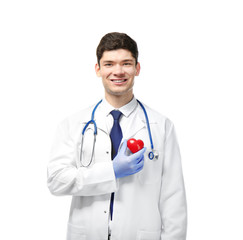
{"x":97,"y":70}
{"x":138,"y":67}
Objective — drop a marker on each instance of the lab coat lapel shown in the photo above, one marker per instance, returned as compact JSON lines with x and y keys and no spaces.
{"x":100,"y":120}
{"x":134,"y":127}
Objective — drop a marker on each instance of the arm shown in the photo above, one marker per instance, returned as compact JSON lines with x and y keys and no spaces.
{"x":64,"y":177}
{"x":173,"y":198}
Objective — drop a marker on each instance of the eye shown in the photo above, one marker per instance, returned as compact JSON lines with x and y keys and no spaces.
{"x":127,"y":64}
{"x":108,"y":65}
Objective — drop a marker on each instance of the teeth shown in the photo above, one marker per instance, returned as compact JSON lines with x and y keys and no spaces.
{"x":118,"y":81}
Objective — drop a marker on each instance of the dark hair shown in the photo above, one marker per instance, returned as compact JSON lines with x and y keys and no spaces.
{"x":114,"y":41}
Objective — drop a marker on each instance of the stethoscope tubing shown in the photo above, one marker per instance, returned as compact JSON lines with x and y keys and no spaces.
{"x":92,"y":121}
{"x":148,"y":125}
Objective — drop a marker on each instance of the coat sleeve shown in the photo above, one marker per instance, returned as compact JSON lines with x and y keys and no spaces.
{"x":64,"y":177}
{"x":173,"y":198}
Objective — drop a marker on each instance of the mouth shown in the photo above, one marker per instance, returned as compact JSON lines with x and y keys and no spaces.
{"x":118,"y":81}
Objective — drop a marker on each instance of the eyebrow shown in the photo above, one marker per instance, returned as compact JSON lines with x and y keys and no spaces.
{"x":108,"y":61}
{"x":125,"y":60}
{"x":128,"y":60}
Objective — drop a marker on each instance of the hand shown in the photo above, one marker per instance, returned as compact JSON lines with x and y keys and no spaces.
{"x":127,"y":165}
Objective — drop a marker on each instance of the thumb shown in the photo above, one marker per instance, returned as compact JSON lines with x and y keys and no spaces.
{"x":124,"y":147}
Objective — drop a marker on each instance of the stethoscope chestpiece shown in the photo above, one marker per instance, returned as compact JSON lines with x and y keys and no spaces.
{"x":153,"y":155}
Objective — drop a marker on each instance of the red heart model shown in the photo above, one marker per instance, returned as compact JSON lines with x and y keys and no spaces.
{"x":135,"y":145}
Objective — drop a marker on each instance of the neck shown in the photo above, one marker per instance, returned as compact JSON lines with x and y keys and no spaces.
{"x":118,"y":101}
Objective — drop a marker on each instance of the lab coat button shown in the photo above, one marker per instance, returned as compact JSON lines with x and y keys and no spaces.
{"x":107,"y":152}
{"x":105,"y":211}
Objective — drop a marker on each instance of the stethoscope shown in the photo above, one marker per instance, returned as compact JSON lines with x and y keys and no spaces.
{"x":153,"y":154}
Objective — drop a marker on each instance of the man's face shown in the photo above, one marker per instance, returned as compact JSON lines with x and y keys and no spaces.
{"x":118,"y":70}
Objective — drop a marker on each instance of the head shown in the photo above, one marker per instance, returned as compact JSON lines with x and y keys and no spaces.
{"x":114,"y":41}
{"x":117,"y":65}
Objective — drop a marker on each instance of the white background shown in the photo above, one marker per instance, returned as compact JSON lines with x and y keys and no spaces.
{"x":191,"y":54}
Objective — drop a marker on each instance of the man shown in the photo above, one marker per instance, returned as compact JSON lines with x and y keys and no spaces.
{"x":117,"y":194}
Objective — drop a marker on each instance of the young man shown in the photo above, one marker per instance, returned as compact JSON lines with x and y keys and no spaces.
{"x":117,"y":194}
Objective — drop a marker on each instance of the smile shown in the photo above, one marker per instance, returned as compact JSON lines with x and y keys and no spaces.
{"x":118,"y":80}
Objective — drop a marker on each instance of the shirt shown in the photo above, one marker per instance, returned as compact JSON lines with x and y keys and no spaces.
{"x":128,"y":113}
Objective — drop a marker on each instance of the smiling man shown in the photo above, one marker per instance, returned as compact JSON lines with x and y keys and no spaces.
{"x":118,"y":194}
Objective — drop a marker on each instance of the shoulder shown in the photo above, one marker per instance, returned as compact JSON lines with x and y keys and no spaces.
{"x":81,"y":116}
{"x":154,"y":114}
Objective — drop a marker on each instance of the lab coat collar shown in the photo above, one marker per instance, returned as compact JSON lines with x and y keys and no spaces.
{"x":105,"y":108}
{"x":126,"y":110}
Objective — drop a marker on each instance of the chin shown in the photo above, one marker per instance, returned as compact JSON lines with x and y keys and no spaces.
{"x":121,"y":93}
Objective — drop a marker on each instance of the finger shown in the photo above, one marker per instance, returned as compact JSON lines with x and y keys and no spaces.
{"x":139,"y":166}
{"x":139,"y":169}
{"x":137,"y":157}
{"x":141,"y":158}
{"x":139,"y":153}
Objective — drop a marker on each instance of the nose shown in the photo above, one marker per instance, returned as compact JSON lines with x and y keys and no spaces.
{"x":118,"y":70}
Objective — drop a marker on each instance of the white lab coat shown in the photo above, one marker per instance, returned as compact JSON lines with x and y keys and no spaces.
{"x":149,"y":205}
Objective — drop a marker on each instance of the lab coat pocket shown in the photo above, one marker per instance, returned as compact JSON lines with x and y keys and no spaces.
{"x":75,"y":233}
{"x":152,"y":170}
{"x":145,"y":235}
